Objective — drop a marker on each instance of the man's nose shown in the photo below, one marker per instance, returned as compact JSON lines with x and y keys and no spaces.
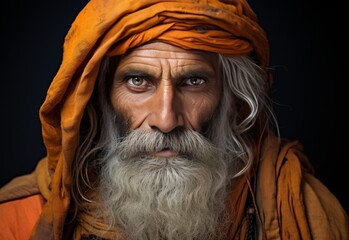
{"x":166,"y":110}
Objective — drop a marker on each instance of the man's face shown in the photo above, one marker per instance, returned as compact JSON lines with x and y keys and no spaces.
{"x":164,"y":179}
{"x":161,"y":87}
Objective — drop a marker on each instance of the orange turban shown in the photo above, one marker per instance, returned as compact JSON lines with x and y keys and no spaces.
{"x":111,"y":27}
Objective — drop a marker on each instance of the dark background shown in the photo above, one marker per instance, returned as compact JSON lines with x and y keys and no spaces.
{"x":308,"y":54}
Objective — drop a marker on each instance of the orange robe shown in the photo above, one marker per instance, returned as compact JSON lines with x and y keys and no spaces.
{"x":18,"y":217}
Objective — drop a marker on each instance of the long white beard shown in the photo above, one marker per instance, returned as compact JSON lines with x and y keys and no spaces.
{"x":182,"y":197}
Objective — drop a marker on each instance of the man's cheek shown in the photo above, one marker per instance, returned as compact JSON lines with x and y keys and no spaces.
{"x":133,"y":116}
{"x":202,"y":113}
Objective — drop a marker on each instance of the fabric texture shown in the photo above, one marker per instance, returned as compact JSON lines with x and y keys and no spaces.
{"x":18,"y":217}
{"x":294,"y":204}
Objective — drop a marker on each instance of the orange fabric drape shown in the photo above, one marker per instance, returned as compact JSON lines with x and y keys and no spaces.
{"x":293,"y":204}
{"x":19,"y":216}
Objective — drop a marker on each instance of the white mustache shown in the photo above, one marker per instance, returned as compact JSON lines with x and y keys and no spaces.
{"x":187,"y":143}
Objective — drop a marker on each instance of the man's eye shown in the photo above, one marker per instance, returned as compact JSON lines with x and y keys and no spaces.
{"x":136,"y":81}
{"x":194,"y":81}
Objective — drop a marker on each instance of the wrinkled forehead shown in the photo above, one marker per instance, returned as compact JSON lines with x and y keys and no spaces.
{"x":159,"y":50}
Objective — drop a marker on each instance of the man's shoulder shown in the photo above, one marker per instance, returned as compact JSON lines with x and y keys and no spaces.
{"x":36,"y":182}
{"x":289,"y":190}
{"x":21,"y":203}
{"x":19,"y":187}
{"x":18,"y":217}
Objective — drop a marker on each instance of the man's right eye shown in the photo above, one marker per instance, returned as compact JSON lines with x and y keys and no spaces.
{"x":136,"y":81}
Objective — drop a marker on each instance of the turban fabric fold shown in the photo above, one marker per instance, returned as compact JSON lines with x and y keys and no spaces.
{"x":112,"y":27}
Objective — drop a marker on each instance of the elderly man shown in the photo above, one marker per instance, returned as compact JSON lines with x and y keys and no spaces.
{"x":158,"y":126}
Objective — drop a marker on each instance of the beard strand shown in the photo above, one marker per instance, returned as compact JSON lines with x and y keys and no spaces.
{"x":148,"y":197}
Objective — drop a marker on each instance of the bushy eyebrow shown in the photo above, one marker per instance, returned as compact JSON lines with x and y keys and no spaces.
{"x":186,"y":75}
{"x":197,"y":74}
{"x":187,"y":71}
{"x":132,"y":72}
{"x":135,"y":73}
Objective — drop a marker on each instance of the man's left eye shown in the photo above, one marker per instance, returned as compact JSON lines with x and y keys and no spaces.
{"x":194,"y":81}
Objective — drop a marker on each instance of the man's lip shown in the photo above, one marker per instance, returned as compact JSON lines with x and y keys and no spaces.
{"x":165,"y":153}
